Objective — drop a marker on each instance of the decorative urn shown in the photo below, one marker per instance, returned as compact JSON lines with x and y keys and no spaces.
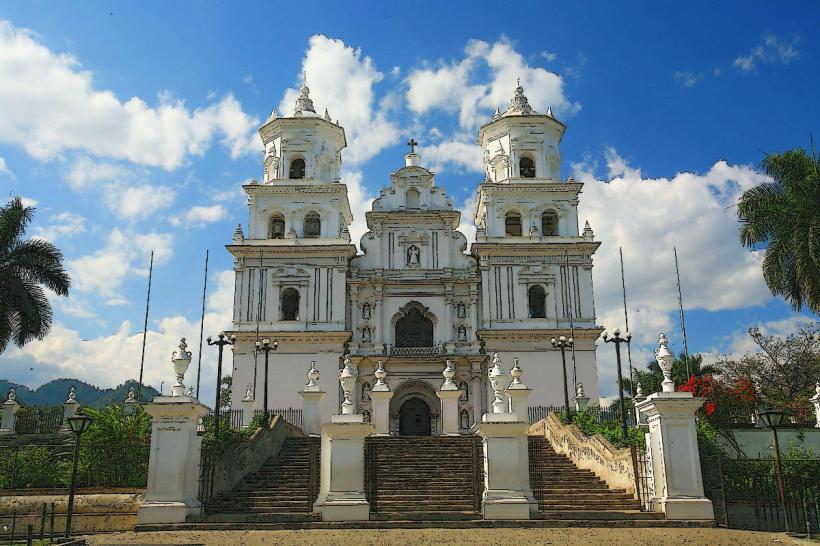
{"x":665,"y":360}
{"x":181,"y":360}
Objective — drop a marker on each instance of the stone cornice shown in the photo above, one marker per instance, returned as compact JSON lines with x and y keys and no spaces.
{"x":250,"y":248}
{"x":305,"y":187}
{"x":536,"y":336}
{"x":527,"y":248}
{"x":401,"y":217}
{"x":294,"y":338}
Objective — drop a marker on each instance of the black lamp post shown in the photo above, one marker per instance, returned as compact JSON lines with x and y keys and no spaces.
{"x":773,"y":419}
{"x":266,"y":347}
{"x":617,"y":339}
{"x":78,"y":425}
{"x":221,"y":342}
{"x":564,"y":343}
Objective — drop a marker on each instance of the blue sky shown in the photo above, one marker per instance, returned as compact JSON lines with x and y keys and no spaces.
{"x":132,"y":127}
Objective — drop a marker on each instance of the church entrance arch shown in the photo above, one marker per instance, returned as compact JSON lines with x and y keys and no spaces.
{"x":414,"y":409}
{"x":414,"y":418}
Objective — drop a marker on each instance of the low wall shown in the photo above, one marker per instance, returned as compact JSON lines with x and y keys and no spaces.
{"x":93,"y":512}
{"x":248,"y":456}
{"x":613,"y":465}
{"x":757,"y":442}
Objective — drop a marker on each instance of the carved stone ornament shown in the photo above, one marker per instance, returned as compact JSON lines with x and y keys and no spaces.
{"x":72,"y":395}
{"x":12,"y":395}
{"x":312,"y":377}
{"x":497,"y":381}
{"x":347,"y":378}
{"x":181,"y":360}
{"x":131,"y":396}
{"x":380,"y":374}
{"x":413,"y":255}
{"x":449,"y":373}
{"x":665,"y":359}
{"x":516,"y":372}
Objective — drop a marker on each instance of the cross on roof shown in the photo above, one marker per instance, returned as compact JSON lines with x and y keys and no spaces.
{"x":412,"y":143}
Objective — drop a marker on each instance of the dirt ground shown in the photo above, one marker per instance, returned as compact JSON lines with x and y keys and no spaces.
{"x":603,"y":537}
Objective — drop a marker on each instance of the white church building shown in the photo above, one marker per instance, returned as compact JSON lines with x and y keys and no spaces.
{"x":415,"y":296}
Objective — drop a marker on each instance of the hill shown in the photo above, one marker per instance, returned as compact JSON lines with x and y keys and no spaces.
{"x":55,"y":392}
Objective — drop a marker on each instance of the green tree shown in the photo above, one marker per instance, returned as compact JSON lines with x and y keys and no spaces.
{"x":651,"y":378}
{"x":784,"y":217}
{"x":225,"y":387}
{"x":26,"y":266}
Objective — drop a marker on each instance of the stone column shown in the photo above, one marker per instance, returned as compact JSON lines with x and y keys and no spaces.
{"x":380,"y":396}
{"x":449,"y":394}
{"x":341,"y":491}
{"x":70,"y":408}
{"x":673,"y":446}
{"x":10,"y":408}
{"x":173,"y":465}
{"x":507,"y":493}
{"x":312,"y":397}
{"x":816,"y":401}
{"x":247,"y":407}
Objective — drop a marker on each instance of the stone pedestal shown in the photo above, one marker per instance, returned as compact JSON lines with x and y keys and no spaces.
{"x":10,"y":408}
{"x":518,"y":401}
{"x":506,"y":493}
{"x":449,"y":411}
{"x":247,"y":412}
{"x":581,"y":403}
{"x":341,"y":492}
{"x":673,"y":449}
{"x":70,"y":409}
{"x":380,"y":416}
{"x":173,"y":466}
{"x":312,"y":411}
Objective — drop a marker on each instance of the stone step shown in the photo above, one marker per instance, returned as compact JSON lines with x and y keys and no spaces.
{"x":588,"y":506}
{"x":443,"y":515}
{"x":580,"y":515}
{"x":590,"y":497}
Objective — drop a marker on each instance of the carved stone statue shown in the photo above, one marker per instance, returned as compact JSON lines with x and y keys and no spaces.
{"x":461,"y":310}
{"x":462,"y":333}
{"x":366,"y":311}
{"x":413,"y":255}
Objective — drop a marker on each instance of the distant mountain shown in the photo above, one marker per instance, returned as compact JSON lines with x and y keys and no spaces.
{"x":55,"y":392}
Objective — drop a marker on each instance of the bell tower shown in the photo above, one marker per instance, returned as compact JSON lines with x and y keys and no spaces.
{"x":536,"y":268}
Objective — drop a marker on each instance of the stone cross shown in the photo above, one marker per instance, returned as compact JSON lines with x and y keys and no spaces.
{"x":412,"y":143}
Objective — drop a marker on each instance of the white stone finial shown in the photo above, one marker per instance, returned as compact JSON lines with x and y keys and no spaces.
{"x":588,"y":233}
{"x":273,"y":115}
{"x":131,"y":399}
{"x":72,"y":395}
{"x":238,"y":236}
{"x":327,"y":115}
{"x":312,"y":377}
{"x":181,"y":360}
{"x":549,"y":111}
{"x":303,"y":102}
{"x":449,"y":373}
{"x":190,"y":392}
{"x":639,"y":389}
{"x":516,"y":372}
{"x":347,"y":378}
{"x":12,"y":395}
{"x":665,"y":360}
{"x":579,"y":390}
{"x":497,"y":381}
{"x":380,"y":374}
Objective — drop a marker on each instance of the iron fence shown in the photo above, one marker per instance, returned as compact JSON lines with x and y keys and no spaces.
{"x":745,"y":493}
{"x":291,"y":415}
{"x":43,"y":531}
{"x":38,"y":420}
{"x":599,"y":414}
{"x":49,"y":466}
{"x":644,"y":484}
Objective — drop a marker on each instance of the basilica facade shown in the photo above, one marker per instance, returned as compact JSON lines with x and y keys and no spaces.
{"x":415,"y":296}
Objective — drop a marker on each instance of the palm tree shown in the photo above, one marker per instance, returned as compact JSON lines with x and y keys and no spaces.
{"x":784,"y":216}
{"x":25,"y":312}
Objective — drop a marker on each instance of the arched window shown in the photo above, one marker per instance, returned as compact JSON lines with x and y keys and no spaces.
{"x":413,"y":198}
{"x":313,"y":225}
{"x":526,"y":167}
{"x":537,"y":297}
{"x":512,"y":224}
{"x":297,"y":168}
{"x":414,"y":330}
{"x":290,"y":304}
{"x":549,"y":223}
{"x":277,"y":227}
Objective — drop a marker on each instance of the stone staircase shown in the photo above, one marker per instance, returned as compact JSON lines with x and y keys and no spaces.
{"x":278,"y":491}
{"x":567,"y":493}
{"x":429,"y":478}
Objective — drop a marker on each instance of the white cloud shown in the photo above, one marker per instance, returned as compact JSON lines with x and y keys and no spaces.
{"x":342,"y":80}
{"x":360,"y":203}
{"x":64,"y":224}
{"x":464,"y":86}
{"x":109,"y":360}
{"x":460,"y":155}
{"x":771,"y":50}
{"x":4,"y":169}
{"x":687,"y":78}
{"x":740,"y":343}
{"x":466,"y":224}
{"x":202,"y":215}
{"x":125,"y":253}
{"x":28,"y":202}
{"x":139,"y":201}
{"x":49,"y":105}
{"x":648,"y":217}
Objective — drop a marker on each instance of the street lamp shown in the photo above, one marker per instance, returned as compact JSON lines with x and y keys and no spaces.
{"x":266,"y":347}
{"x":773,"y":419}
{"x":221,"y":342}
{"x":78,"y":425}
{"x":617,"y":339}
{"x":564,"y":343}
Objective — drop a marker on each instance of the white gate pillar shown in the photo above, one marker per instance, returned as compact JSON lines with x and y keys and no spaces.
{"x":673,"y":446}
{"x":312,"y":397}
{"x":173,"y":464}
{"x":380,"y":396}
{"x":449,"y":394}
{"x":10,"y":408}
{"x":70,"y":407}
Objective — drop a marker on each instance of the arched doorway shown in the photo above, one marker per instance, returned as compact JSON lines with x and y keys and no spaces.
{"x":414,"y":418}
